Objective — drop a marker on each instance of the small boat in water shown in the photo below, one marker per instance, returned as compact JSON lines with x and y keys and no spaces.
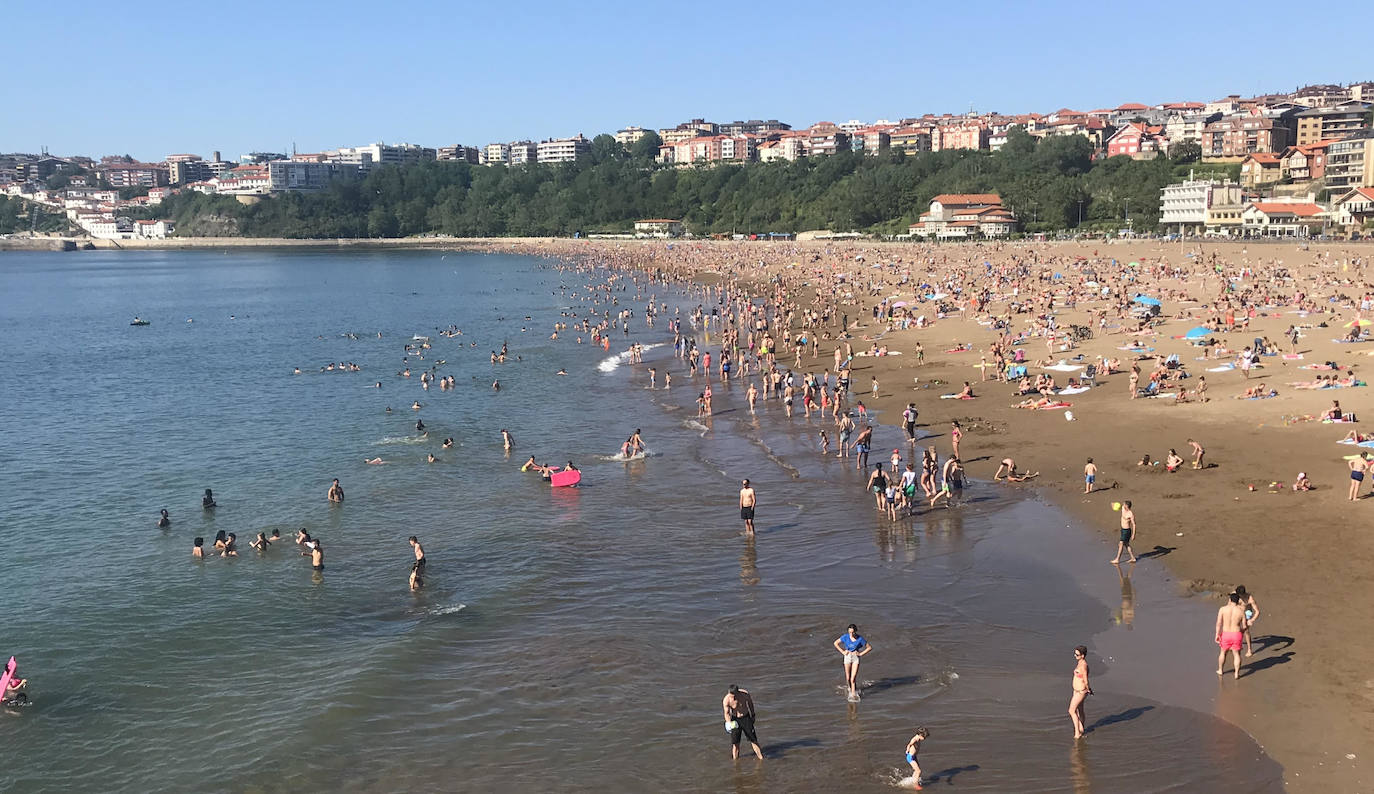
{"x":140,"y":321}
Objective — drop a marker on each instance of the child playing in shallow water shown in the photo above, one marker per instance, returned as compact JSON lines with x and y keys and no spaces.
{"x":913,"y":749}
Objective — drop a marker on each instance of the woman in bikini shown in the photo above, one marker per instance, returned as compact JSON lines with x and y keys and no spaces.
{"x":1081,"y":689}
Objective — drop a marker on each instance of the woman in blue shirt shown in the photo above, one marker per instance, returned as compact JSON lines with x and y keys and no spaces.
{"x":852,"y":645}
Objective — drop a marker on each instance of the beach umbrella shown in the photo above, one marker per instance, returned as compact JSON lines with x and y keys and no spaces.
{"x":1134,"y":264}
{"x":1198,"y":333}
{"x":1147,"y":300}
{"x":1359,"y":323}
{"x":899,"y":304}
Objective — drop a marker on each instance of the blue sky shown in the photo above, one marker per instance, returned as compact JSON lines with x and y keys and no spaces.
{"x":154,"y":78}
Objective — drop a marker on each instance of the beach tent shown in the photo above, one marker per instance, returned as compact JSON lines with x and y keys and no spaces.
{"x":1147,"y":300}
{"x":1199,"y":332}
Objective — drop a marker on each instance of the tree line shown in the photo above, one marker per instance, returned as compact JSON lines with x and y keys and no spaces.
{"x":1052,"y":184}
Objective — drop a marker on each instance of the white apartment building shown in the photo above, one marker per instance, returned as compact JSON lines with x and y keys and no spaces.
{"x":1187,"y":127}
{"x":380,"y":154}
{"x":1187,"y":204}
{"x":153,"y":230}
{"x":563,"y":150}
{"x":739,"y":148}
{"x":497,"y":153}
{"x":628,"y":136}
{"x":522,"y":152}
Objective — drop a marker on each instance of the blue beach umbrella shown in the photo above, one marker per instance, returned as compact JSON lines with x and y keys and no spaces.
{"x":1198,"y":333}
{"x":1147,"y":300}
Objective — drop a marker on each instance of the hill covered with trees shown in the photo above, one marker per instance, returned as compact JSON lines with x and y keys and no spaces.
{"x":1050,"y":183}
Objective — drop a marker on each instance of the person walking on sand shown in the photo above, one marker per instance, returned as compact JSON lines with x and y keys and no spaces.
{"x":1198,"y":453}
{"x":1127,"y":533}
{"x":1089,"y":476}
{"x":747,"y":501}
{"x":909,"y":422}
{"x":738,"y":706}
{"x":1252,"y":612}
{"x":1082,"y":687}
{"x":1230,"y":632}
{"x":851,"y":646}
{"x":913,"y":750}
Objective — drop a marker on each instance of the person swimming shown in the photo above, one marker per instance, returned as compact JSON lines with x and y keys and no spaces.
{"x":207,"y":502}
{"x":164,"y":520}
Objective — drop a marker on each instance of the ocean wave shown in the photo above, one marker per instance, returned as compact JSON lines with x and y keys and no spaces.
{"x":610,"y":363}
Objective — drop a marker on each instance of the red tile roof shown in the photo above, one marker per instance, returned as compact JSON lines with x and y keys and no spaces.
{"x":1280,"y":208}
{"x":967,"y":199}
{"x":1132,"y":106}
{"x":1265,"y":158}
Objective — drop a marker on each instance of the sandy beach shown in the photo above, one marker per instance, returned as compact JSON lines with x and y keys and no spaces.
{"x":1304,"y":695}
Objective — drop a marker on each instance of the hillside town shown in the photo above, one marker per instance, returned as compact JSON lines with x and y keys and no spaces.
{"x":1305,"y":163}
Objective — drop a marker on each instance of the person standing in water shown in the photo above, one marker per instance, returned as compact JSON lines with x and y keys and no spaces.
{"x":164,"y":520}
{"x":336,"y":493}
{"x":748,"y":500}
{"x":1230,"y":632}
{"x":507,"y":439}
{"x":417,"y":568}
{"x":1127,"y":533}
{"x":851,"y":646}
{"x":738,"y":706}
{"x":1081,"y":689}
{"x":207,"y":501}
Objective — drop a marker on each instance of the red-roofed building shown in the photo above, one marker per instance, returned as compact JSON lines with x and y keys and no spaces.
{"x":1260,"y":168}
{"x":1277,"y":218}
{"x":1354,"y":209}
{"x":1305,"y":161}
{"x":1138,"y":140}
{"x":964,"y":215}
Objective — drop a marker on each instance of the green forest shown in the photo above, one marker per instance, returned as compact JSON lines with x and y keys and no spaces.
{"x":1052,"y":184}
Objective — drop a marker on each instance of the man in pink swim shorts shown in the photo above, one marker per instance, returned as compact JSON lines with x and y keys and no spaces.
{"x":1230,"y":632}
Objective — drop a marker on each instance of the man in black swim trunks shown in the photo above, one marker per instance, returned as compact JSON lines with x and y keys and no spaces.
{"x":419,"y":565}
{"x":747,"y":500}
{"x":739,"y":720}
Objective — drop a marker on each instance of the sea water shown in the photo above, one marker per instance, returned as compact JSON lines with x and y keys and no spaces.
{"x":570,"y":639}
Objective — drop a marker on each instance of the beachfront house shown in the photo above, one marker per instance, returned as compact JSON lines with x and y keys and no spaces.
{"x":658,"y":227}
{"x":1353,"y":210}
{"x":962,"y":216}
{"x":1278,"y":218}
{"x":1260,"y":168}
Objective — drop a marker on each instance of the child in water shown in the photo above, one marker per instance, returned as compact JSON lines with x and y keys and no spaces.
{"x":913,"y":749}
